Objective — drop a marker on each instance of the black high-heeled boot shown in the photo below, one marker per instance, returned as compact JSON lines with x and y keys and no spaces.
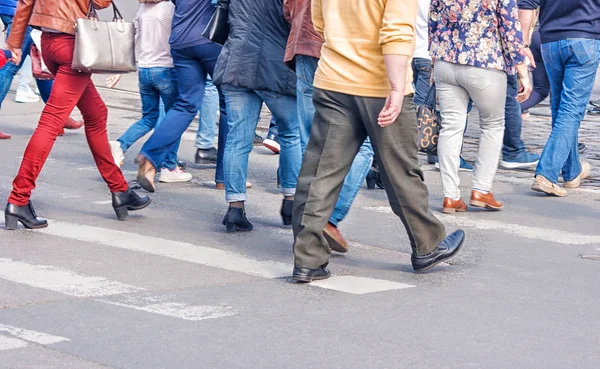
{"x":286,"y":211}
{"x":24,"y":214}
{"x":235,"y":220}
{"x":122,"y":202}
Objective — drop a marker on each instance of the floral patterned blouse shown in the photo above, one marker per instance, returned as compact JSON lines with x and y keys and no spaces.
{"x":481,"y":33}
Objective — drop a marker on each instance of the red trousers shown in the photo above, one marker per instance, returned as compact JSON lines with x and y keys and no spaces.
{"x":70,"y":89}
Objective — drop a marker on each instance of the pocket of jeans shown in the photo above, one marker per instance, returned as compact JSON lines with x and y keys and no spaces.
{"x":584,"y":50}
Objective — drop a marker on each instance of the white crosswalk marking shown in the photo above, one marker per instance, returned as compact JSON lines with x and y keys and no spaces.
{"x":9,"y":343}
{"x":21,"y":337}
{"x":72,"y":284}
{"x":535,"y":233}
{"x":207,"y":256}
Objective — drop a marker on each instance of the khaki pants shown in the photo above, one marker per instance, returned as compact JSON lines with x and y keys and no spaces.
{"x":455,"y":84}
{"x":341,"y":124}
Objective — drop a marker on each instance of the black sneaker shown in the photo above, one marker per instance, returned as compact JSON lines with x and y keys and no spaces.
{"x":272,"y":142}
{"x":235,"y":220}
{"x":307,"y":275}
{"x":258,"y":140}
{"x":206,"y":156}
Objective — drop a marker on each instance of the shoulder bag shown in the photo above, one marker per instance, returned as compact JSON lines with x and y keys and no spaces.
{"x":217,"y":29}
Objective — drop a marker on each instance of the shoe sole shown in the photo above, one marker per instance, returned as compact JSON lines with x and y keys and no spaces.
{"x":173,"y":180}
{"x":538,"y":188}
{"x":205,"y":161}
{"x":272,"y":145}
{"x":232,"y":228}
{"x":334,"y":243}
{"x":509,"y":165}
{"x":484,"y":205}
{"x":453,"y":210}
{"x":444,"y":259}
{"x":123,"y":211}
{"x":11,"y":223}
{"x":303,"y":279}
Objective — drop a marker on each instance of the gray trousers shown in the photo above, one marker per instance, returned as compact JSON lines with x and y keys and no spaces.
{"x":341,"y":124}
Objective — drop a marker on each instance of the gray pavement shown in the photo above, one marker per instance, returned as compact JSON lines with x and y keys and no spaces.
{"x":169,"y":288}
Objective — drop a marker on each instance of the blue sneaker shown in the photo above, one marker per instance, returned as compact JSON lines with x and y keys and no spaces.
{"x":523,"y":160}
{"x":464,"y":165}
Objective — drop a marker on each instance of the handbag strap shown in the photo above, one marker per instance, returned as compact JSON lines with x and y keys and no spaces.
{"x":431,"y":97}
{"x":93,"y":14}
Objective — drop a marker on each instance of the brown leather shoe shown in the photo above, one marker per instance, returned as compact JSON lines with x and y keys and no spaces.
{"x":146,"y":173}
{"x":451,"y":206}
{"x":541,"y":184}
{"x":335,"y":239}
{"x":4,"y":136}
{"x":485,"y":201}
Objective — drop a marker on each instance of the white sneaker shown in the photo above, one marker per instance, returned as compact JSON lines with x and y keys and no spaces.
{"x":117,"y":153}
{"x":173,"y":176}
{"x":26,"y":96}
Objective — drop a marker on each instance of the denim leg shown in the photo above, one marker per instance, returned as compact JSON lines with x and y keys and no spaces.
{"x":45,"y":87}
{"x":571,"y":65}
{"x":305,"y":74}
{"x":8,"y":72}
{"x":243,"y":112}
{"x":421,"y":79}
{"x":513,"y":144}
{"x":208,"y":116}
{"x":165,"y":82}
{"x":273,"y":126}
{"x":222,"y":139}
{"x":356,"y":176}
{"x":191,"y":77}
{"x":290,"y":156}
{"x":150,"y":101}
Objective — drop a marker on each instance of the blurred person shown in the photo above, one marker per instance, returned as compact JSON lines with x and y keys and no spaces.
{"x":24,"y":92}
{"x":486,"y":46}
{"x":71,"y":88}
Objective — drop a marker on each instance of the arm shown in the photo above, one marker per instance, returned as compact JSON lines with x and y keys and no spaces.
{"x":102,"y":4}
{"x":317,"y":16}
{"x":396,"y":38}
{"x":434,"y":18}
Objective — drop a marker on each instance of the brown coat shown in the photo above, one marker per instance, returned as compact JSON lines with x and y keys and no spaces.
{"x":303,"y":40}
{"x":59,"y":15}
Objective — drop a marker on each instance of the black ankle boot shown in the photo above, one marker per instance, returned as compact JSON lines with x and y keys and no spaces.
{"x":374,"y":179}
{"x":235,"y":220}
{"x":24,"y":214}
{"x":128,"y":200}
{"x":286,"y":211}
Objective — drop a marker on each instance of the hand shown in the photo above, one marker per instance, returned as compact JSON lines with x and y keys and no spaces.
{"x":16,"y":55}
{"x":392,"y":108}
{"x":112,"y":81}
{"x":529,"y":55}
{"x":525,"y":88}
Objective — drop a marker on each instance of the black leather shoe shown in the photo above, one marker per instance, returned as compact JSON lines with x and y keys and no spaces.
{"x":447,"y":249}
{"x":306,"y":275}
{"x":24,"y":214}
{"x":128,"y":200}
{"x":206,"y":156}
{"x":235,"y":220}
{"x":286,"y":211}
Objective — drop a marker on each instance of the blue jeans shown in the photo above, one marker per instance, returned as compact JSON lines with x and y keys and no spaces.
{"x":192,"y":64}
{"x":156,"y":85}
{"x":513,"y":144}
{"x":243,"y":112}
{"x":207,"y":128}
{"x":306,"y":67}
{"x":421,"y":79}
{"x":8,"y":72}
{"x":571,"y":65}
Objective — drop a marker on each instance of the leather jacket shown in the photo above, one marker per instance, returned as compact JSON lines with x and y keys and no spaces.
{"x":303,"y":40}
{"x":58,"y":15}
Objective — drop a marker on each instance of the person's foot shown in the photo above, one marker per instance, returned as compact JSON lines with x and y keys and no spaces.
{"x":272,"y":142}
{"x":586,"y":168}
{"x":174,"y":176}
{"x":431,"y":159}
{"x":485,"y":200}
{"x":117,"y":153}
{"x":307,"y":275}
{"x":523,"y":160}
{"x":464,"y":165}
{"x":334,"y":238}
{"x":13,"y":214}
{"x":206,"y":156}
{"x":4,"y":136}
{"x":581,"y":147}
{"x":26,"y":96}
{"x":258,"y":140}
{"x":236,"y":221}
{"x":182,"y":164}
{"x":374,"y":179}
{"x":146,"y":173}
{"x":123,"y":202}
{"x":452,"y":206}
{"x":594,"y":110}
{"x":221,"y":185}
{"x":541,"y":184}
{"x":446,"y":249}
{"x":286,"y":211}
{"x":73,"y":124}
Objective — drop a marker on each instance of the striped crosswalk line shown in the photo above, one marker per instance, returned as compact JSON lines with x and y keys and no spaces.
{"x":13,"y":337}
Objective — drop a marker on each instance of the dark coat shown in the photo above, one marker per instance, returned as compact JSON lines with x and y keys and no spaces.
{"x":253,"y":55}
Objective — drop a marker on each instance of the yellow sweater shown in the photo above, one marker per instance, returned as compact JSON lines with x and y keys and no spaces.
{"x":357,"y":34}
